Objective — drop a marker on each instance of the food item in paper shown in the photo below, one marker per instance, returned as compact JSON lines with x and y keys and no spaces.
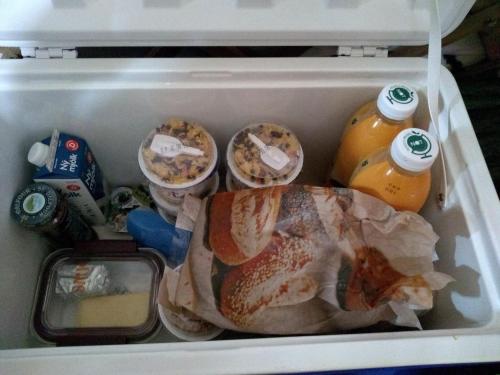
{"x":253,"y":166}
{"x":253,"y":216}
{"x":399,"y":175}
{"x":167,"y":164}
{"x":374,"y":126}
{"x":122,"y":201}
{"x":372,"y":272}
{"x":121,"y":310}
{"x":82,"y":280}
{"x":40,"y":208}
{"x":331,"y":260}
{"x":66,"y":163}
{"x":251,"y":287}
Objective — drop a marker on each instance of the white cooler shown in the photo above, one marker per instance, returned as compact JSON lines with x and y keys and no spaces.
{"x":113,"y":103}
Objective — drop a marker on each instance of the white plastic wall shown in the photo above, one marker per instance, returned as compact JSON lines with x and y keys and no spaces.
{"x":114,"y":104}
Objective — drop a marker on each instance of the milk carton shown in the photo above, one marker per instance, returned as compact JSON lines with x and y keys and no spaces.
{"x":66,"y":163}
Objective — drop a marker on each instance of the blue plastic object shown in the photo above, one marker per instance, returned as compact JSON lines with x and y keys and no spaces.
{"x":149,"y":229}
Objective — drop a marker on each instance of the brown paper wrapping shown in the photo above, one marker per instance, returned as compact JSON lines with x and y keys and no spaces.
{"x":300,"y":259}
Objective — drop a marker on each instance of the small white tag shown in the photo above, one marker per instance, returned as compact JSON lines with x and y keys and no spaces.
{"x":191,"y":206}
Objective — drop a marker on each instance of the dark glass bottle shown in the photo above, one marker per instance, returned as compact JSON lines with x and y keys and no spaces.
{"x":39,"y":207}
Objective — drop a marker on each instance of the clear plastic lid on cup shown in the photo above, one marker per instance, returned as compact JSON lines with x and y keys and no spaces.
{"x":254,"y":166}
{"x":178,"y":155}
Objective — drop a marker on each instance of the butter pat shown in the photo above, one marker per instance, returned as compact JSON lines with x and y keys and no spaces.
{"x":121,"y":310}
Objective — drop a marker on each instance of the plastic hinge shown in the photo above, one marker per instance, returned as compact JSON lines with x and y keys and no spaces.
{"x":363,"y":51}
{"x":49,"y":53}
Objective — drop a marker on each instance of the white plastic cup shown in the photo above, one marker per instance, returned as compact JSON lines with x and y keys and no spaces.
{"x":174,"y":192}
{"x":209,"y":334}
{"x":168,"y":209}
{"x":239,"y":180}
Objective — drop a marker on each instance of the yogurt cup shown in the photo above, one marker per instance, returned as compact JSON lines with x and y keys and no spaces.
{"x":277,"y":161}
{"x":176,"y":196}
{"x":168,"y":209}
{"x":178,"y":157}
{"x":199,"y":330}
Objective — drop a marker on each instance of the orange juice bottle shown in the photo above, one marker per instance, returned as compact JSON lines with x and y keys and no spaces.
{"x":372,"y":127}
{"x":399,"y":175}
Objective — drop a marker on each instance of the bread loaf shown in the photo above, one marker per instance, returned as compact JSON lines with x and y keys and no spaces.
{"x":276,"y":277}
{"x":242,"y":223}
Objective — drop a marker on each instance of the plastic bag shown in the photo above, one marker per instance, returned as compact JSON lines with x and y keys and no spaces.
{"x":300,"y":259}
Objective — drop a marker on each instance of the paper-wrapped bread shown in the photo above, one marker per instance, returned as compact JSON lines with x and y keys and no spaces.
{"x":299,"y":259}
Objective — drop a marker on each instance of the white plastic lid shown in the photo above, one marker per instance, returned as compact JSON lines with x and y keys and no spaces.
{"x":397,"y":101}
{"x":184,"y":170}
{"x":414,"y":150}
{"x":70,"y":23}
{"x":247,"y":164}
{"x":38,"y":154}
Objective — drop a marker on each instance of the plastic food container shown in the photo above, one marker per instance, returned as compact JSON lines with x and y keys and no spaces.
{"x":100,"y":292}
{"x":178,"y":157}
{"x":264,"y":154}
{"x":168,"y":209}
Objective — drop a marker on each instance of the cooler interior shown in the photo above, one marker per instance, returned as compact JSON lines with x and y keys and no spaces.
{"x":114,"y":107}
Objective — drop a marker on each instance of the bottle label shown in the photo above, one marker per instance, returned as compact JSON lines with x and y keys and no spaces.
{"x":400,"y":94}
{"x":419,"y":144}
{"x":34,"y":203}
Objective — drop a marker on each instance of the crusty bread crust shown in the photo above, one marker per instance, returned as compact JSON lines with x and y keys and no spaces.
{"x":242,"y":223}
{"x":273,"y":278}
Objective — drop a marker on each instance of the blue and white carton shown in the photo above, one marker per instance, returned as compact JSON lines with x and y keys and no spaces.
{"x":66,"y":163}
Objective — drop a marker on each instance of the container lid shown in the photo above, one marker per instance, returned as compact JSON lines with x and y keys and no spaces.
{"x":35,"y":205}
{"x":265,"y":154}
{"x":178,"y":164}
{"x":414,"y":150}
{"x":106,"y":290}
{"x":74,"y":23}
{"x":397,"y":101}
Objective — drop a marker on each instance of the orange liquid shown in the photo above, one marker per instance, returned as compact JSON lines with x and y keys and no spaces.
{"x":366,"y":131}
{"x":379,"y":177}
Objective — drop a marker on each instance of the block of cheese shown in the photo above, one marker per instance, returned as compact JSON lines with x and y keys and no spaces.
{"x":120,"y":310}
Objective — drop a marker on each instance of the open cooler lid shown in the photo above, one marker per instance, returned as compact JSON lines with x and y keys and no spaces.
{"x":77,"y":23}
